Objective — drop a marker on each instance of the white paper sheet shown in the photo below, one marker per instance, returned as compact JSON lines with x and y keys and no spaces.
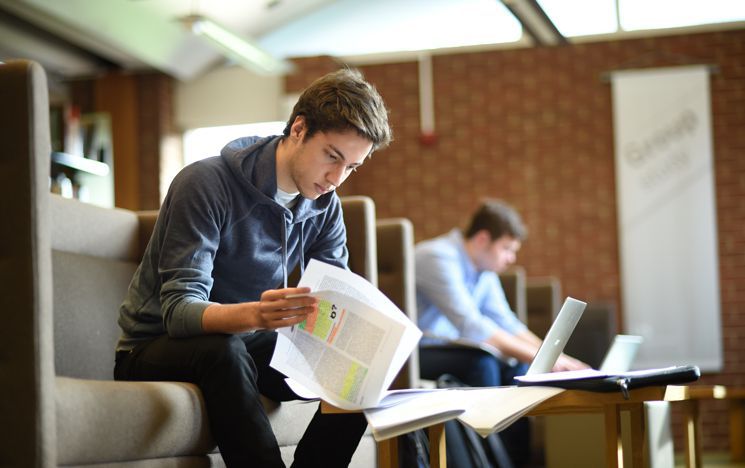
{"x":413,"y":411}
{"x":495,"y":408}
{"x":486,"y":410}
{"x":351,"y":350}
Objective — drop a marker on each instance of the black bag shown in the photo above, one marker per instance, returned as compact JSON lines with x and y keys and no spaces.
{"x":465,"y":447}
{"x":413,"y":449}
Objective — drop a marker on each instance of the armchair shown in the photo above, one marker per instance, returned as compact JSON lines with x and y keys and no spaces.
{"x":65,"y":268}
{"x":395,"y":237}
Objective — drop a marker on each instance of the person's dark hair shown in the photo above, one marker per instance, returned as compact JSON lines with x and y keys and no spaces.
{"x":498,"y":219}
{"x":340,"y":101}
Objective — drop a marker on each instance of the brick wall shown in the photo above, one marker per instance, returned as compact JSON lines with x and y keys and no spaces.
{"x":534,"y":127}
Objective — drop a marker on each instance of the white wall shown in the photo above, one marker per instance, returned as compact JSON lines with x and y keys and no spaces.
{"x":228,"y":96}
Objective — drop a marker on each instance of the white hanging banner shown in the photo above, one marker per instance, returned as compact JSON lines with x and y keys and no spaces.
{"x":667,"y":215}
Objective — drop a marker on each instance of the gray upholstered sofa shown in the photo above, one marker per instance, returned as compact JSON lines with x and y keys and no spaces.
{"x":65,"y":267}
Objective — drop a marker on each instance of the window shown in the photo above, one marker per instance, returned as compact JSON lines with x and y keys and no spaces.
{"x":655,"y":14}
{"x":393,"y":25}
{"x":582,"y":17}
{"x":200,"y":143}
{"x":586,"y":17}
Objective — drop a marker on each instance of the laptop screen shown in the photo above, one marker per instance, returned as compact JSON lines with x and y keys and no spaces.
{"x":621,"y":354}
{"x":557,"y":336}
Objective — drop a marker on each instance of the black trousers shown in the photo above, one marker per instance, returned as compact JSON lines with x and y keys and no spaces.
{"x":477,"y":368}
{"x":473,"y":367}
{"x":231,"y":371}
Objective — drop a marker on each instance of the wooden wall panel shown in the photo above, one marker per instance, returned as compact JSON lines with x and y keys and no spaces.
{"x":117,"y":95}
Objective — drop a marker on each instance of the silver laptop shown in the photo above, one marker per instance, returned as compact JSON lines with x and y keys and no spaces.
{"x":621,"y":354}
{"x":557,"y":336}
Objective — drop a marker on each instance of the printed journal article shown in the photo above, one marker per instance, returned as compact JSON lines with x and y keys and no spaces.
{"x":350,"y":350}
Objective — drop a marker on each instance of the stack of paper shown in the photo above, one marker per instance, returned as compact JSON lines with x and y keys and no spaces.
{"x":486,"y":410}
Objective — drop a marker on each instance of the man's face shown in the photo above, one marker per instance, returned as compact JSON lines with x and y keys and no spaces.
{"x":323,"y":162}
{"x":499,"y":254}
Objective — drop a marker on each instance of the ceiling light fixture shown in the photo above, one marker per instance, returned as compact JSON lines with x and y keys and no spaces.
{"x":235,"y":47}
{"x":536,"y":23}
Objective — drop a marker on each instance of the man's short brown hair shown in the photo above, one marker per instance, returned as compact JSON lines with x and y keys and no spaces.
{"x":341,"y":101}
{"x":499,"y":219}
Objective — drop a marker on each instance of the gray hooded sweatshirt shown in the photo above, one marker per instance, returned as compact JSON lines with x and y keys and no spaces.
{"x":221,"y":237}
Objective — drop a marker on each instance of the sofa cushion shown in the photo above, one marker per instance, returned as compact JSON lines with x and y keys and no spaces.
{"x":87,"y":294}
{"x":95,"y":231}
{"x":196,"y":461}
{"x":139,"y":420}
{"x":289,"y":419}
{"x":107,"y":421}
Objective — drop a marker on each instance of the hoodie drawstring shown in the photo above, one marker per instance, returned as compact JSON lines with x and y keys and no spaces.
{"x":284,"y":250}
{"x":302,"y":249}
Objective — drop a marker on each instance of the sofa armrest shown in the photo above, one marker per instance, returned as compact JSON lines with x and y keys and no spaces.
{"x":26,"y":345}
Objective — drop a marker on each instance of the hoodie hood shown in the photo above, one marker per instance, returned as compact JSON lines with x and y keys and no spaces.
{"x":253,"y":161}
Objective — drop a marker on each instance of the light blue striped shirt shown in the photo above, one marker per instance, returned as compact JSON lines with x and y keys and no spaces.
{"x":454,"y":300}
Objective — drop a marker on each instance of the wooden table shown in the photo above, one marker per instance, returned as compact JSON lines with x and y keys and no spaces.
{"x":574,"y":401}
{"x":736,"y":399}
{"x":611,"y":405}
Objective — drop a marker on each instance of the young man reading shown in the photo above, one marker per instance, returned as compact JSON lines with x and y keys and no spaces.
{"x":211,"y":290}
